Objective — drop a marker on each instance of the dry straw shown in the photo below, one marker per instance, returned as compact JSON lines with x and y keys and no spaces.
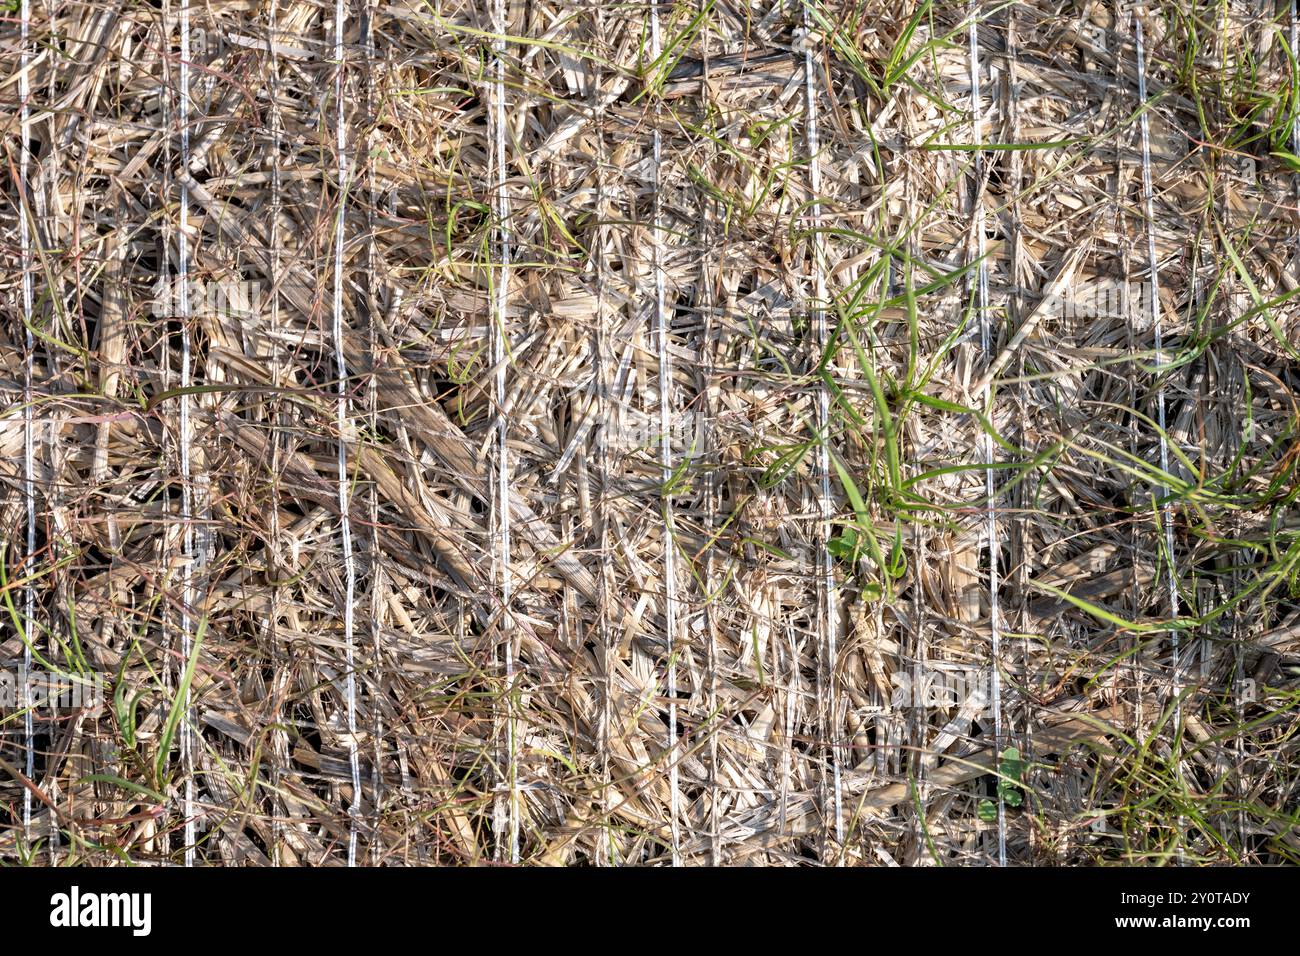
{"x":617,"y":435}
